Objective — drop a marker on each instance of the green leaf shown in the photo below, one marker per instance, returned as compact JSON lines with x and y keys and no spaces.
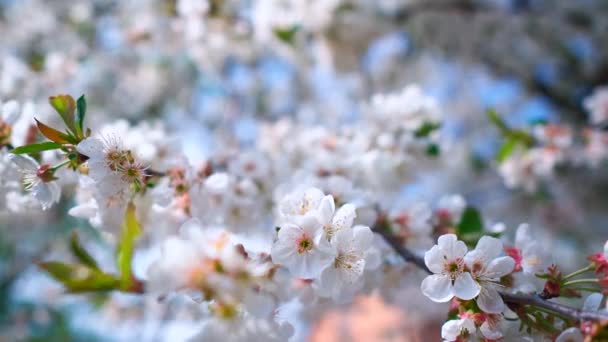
{"x":54,"y":135}
{"x":58,"y":270}
{"x":287,"y":35}
{"x":80,"y":278}
{"x":81,"y":110}
{"x":506,"y":149}
{"x":433,"y":150}
{"x":470,"y":223}
{"x":426,"y":129}
{"x":126,"y":246}
{"x":498,"y":121}
{"x":81,"y":253}
{"x":35,"y":148}
{"x":65,"y":106}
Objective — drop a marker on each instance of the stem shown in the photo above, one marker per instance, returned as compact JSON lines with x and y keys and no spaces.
{"x":579,"y":272}
{"x":580,"y":281}
{"x":587,"y":289}
{"x":511,"y":299}
{"x":60,"y":165}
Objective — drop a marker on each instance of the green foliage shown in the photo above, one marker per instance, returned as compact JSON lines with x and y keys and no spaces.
{"x":87,"y":276}
{"x":124,"y":255}
{"x":470,"y":222}
{"x":80,"y":278}
{"x":80,"y":252}
{"x":426,"y":129}
{"x":514,"y":138}
{"x":35,"y":148}
{"x":65,"y":106}
{"x":81,"y":110}
{"x":287,"y":35}
{"x":471,"y":227}
{"x":433,"y":150}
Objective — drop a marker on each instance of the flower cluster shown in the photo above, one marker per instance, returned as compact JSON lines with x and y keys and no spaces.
{"x":526,"y":158}
{"x":466,"y":274}
{"x":319,"y":242}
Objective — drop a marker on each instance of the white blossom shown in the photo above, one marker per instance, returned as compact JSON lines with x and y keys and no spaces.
{"x":39,"y":180}
{"x":487,"y":267}
{"x":302,"y":247}
{"x":450,"y":278}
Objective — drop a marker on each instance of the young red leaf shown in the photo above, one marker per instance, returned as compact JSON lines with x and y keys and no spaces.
{"x":53,"y":134}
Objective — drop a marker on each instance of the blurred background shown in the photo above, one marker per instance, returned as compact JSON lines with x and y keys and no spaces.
{"x":212,"y":69}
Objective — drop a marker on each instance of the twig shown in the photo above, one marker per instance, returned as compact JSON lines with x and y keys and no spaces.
{"x":511,"y":299}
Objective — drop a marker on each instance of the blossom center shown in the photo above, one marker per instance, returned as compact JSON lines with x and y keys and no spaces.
{"x":304,"y":244}
{"x":453,"y":268}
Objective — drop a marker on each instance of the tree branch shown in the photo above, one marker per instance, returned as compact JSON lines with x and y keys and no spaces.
{"x":511,"y":299}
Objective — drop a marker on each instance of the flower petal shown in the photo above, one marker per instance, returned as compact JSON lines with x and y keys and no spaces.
{"x":452,"y":248}
{"x":570,"y":335}
{"x":500,"y":267}
{"x":363,"y":237}
{"x":490,"y":247}
{"x":434,"y":259}
{"x":490,"y":333}
{"x":91,"y":147}
{"x":327,"y":207}
{"x":490,"y":301}
{"x":465,"y":287}
{"x":344,"y":217}
{"x":24,"y":163}
{"x":437,"y":288}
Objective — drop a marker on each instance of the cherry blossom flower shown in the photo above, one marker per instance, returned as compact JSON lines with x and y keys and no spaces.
{"x":457,"y":329}
{"x":450,"y":278}
{"x":487,"y":267}
{"x":302,"y":247}
{"x":339,"y":279}
{"x":529,"y":259}
{"x":332,"y":220}
{"x":300,"y":203}
{"x":38,"y":179}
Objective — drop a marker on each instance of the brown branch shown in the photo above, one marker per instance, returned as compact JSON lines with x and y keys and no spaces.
{"x":511,"y":299}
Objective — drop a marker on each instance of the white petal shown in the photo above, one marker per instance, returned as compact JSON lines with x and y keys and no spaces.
{"x":570,"y":335}
{"x":490,"y":247}
{"x":500,"y":267}
{"x":489,"y":333}
{"x":91,"y":147}
{"x":25,"y":163}
{"x":344,"y":217}
{"x":490,"y":301}
{"x":450,"y":330}
{"x":593,"y":302}
{"x":452,"y":248}
{"x":434,"y":259}
{"x":465,"y":287}
{"x":437,"y":288}
{"x":327,"y":207}
{"x":43,"y":193}
{"x":310,"y":225}
{"x":313,"y":196}
{"x":363,"y":237}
